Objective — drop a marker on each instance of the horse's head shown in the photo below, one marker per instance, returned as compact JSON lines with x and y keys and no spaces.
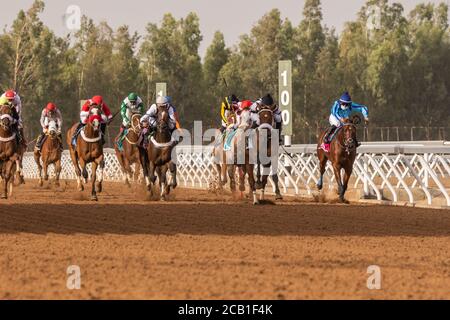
{"x":6,"y":117}
{"x":136,"y":122}
{"x":52,"y":128}
{"x":265,"y":115}
{"x":349,"y":134}
{"x":163,"y":117}
{"x":94,"y":122}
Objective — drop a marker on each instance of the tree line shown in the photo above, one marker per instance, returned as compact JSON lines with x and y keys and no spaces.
{"x":396,"y":63}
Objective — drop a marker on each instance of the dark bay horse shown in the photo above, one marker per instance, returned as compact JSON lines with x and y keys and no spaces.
{"x":50,"y":153}
{"x":129,"y":154}
{"x":88,"y":149}
{"x":157,"y":157}
{"x":10,"y":151}
{"x":342,"y":155}
{"x":264,"y":145}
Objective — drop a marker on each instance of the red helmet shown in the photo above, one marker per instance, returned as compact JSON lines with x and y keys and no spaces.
{"x":97,"y":100}
{"x":10,"y":95}
{"x":245,"y":104}
{"x":51,"y":106}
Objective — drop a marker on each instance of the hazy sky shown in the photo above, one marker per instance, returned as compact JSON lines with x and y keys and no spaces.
{"x":232,"y":17}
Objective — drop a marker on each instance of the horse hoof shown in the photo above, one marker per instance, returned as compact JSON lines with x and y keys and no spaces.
{"x":319,"y":187}
{"x":4,"y":196}
{"x":255,"y":202}
{"x":94,"y":198}
{"x":57,"y":184}
{"x":81,"y":188}
{"x":99,"y":188}
{"x":41,"y":183}
{"x":278,"y":197}
{"x":258,"y":185}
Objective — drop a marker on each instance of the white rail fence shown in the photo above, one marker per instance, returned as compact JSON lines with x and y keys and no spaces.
{"x":409,"y":172}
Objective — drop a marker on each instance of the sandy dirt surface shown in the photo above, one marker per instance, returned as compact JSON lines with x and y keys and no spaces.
{"x":207,"y":246}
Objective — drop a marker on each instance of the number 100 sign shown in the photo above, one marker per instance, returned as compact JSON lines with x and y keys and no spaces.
{"x":285,"y":94}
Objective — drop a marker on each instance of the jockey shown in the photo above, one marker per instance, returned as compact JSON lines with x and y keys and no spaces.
{"x":15,"y":101}
{"x":267,"y":101}
{"x":242,"y":106}
{"x":151,"y":114}
{"x":175,"y":113}
{"x":340,"y":111}
{"x":48,"y":113}
{"x":131,"y":105}
{"x":228,"y":107}
{"x":84,"y":115}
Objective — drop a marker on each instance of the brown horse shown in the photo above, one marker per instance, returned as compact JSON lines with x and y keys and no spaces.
{"x":50,"y":153}
{"x":88,"y":149}
{"x":9,"y":149}
{"x":241,"y":156}
{"x":157,"y":157}
{"x":342,"y":155}
{"x":264,"y":140}
{"x":129,"y":154}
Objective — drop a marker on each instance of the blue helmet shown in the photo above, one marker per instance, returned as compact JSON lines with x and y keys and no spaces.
{"x":345,"y":98}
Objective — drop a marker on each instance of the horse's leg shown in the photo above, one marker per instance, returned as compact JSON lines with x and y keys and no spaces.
{"x":127,"y":171}
{"x":173,"y":173}
{"x":161,"y":171}
{"x":322,"y":167}
{"x":145,"y":169}
{"x":251,"y":182}
{"x":120,"y":158}
{"x":74,"y":157}
{"x":231,"y":170}
{"x":37,"y":159}
{"x":101,"y":166}
{"x":337,"y":174}
{"x":45,"y":169}
{"x":6,"y":177}
{"x":83,"y":178}
{"x":242,"y":173}
{"x":348,"y":172}
{"x":93,"y":180}
{"x":58,"y":168}
{"x":265,"y":175}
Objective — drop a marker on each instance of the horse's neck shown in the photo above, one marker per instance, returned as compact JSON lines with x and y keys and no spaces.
{"x":163,"y":137}
{"x":89,"y":131}
{"x":5,"y":133}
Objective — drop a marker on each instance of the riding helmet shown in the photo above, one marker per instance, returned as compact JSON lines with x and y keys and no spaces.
{"x":267,"y":100}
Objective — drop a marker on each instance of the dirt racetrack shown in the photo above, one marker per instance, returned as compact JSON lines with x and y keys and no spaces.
{"x":205,"y":246}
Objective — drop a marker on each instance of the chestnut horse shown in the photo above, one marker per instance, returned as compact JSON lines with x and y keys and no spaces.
{"x":9,"y":149}
{"x":88,"y":149}
{"x":239,"y":156}
{"x":50,"y":153}
{"x":157,"y":157}
{"x":264,"y":139}
{"x":342,"y":155}
{"x":129,"y":154}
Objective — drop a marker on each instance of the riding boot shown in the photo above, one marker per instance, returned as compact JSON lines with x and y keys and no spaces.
{"x":39,"y":141}
{"x":329,"y":134}
{"x":76,"y":132}
{"x":103,"y":131}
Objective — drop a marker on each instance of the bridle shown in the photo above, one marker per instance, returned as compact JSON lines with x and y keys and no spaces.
{"x":135,"y":128}
{"x":349,"y":143}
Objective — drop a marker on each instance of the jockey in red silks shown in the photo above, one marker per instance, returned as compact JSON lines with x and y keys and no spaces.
{"x":50,"y":112}
{"x":106,"y":116}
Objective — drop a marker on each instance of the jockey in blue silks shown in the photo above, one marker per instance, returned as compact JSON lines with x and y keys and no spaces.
{"x":341,"y":110}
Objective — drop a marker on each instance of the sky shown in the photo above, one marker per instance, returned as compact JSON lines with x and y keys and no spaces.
{"x":232,"y":17}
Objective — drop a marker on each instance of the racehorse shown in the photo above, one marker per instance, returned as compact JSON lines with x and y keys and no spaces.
{"x":264,"y":138}
{"x":157,"y":156}
{"x":9,"y":149}
{"x":129,"y":154}
{"x":50,"y":153}
{"x":224,"y":171}
{"x":239,"y":156}
{"x":88,"y":149}
{"x":342,"y":155}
